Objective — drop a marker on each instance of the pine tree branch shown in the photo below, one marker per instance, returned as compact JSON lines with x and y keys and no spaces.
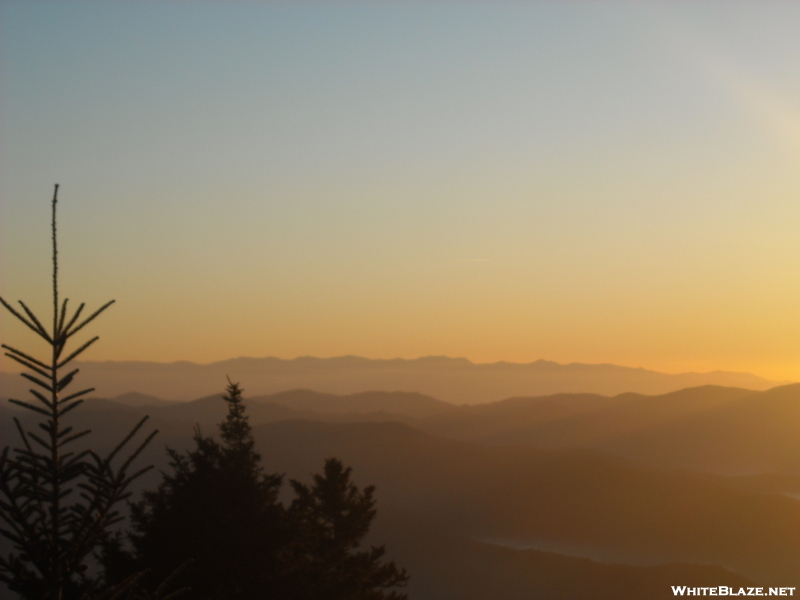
{"x":27,"y":364}
{"x":73,"y":319}
{"x":75,"y":437}
{"x":65,"y":381}
{"x":77,"y":352}
{"x":70,"y":407}
{"x":60,"y":327}
{"x":42,"y":330}
{"x":24,"y":320}
{"x":29,"y":406}
{"x":25,"y":356}
{"x":22,"y":434}
{"x":37,"y":381}
{"x":138,"y":451}
{"x":75,"y":395}
{"x":89,"y":319}
{"x":42,"y":399}
{"x":128,"y":437}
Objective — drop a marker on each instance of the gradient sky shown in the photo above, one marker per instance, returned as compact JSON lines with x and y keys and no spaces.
{"x":575,"y":181}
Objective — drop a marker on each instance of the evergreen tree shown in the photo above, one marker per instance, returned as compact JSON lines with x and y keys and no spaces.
{"x":56,"y":505}
{"x":331,"y":518}
{"x":218,"y":508}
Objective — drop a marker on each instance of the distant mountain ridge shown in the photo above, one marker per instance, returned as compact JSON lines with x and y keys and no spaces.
{"x":294,"y":404}
{"x":713,"y":429}
{"x":454,"y":380}
{"x":710,"y":429}
{"x":526,"y":473}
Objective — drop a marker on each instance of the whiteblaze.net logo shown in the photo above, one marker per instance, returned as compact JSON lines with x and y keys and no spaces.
{"x":723,"y":590}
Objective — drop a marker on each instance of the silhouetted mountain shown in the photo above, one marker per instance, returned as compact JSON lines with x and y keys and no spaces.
{"x":567,"y":420}
{"x":455,"y":380}
{"x":500,"y":419}
{"x":137,"y":399}
{"x":713,"y":429}
{"x":211,"y":410}
{"x":306,"y":404}
{"x":566,"y":506}
{"x":397,"y":403}
{"x":719,"y":430}
{"x":758,"y":433}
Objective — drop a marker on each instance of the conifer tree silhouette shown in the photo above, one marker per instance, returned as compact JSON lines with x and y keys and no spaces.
{"x":218,"y":508}
{"x":57,"y":505}
{"x":332,"y":516}
{"x":235,"y":429}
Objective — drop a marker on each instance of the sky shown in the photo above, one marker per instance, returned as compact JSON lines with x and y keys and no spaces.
{"x":599,"y":182}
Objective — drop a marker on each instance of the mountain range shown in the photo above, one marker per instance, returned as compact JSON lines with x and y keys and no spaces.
{"x":455,"y":380}
{"x":568,"y":495}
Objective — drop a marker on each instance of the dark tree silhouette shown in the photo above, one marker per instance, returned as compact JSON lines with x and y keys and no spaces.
{"x":218,"y":508}
{"x":235,"y":429}
{"x":56,"y":505}
{"x":331,"y":518}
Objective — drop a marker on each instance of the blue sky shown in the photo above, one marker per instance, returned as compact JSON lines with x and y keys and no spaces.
{"x":597,"y":182}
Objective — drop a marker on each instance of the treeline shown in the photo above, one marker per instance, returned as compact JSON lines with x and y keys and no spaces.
{"x":214,"y":529}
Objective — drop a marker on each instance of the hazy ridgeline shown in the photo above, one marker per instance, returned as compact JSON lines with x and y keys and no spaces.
{"x":455,"y":380}
{"x":559,"y":496}
{"x":570,"y":495}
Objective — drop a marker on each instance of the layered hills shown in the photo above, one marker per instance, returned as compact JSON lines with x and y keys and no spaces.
{"x":558,"y":496}
{"x":455,"y":380}
{"x":726,"y":431}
